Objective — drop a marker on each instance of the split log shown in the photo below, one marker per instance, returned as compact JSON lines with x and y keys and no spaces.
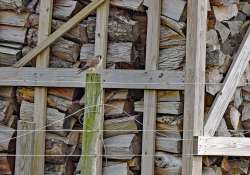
{"x":62,"y":48}
{"x":120,"y":29}
{"x":175,"y":108}
{"x":246,"y":116}
{"x":239,"y":166}
{"x":9,"y":56}
{"x":122,"y":126}
{"x":223,"y":129}
{"x":222,"y":30}
{"x":118,"y":108}
{"x":171,"y":145}
{"x":55,"y":119}
{"x":215,"y":58}
{"x":169,"y":126}
{"x":121,"y":169}
{"x":245,"y":8}
{"x":212,"y":38}
{"x":213,"y":80}
{"x":223,"y":13}
{"x":176,"y":26}
{"x":114,"y":95}
{"x":232,"y":118}
{"x":7,"y":107}
{"x":7,"y":164}
{"x":128,"y":4}
{"x":77,"y":34}
{"x":59,"y":169}
{"x":171,"y":96}
{"x":167,"y":164}
{"x":12,"y":18}
{"x":59,"y":103}
{"x":122,"y":147}
{"x":173,"y":8}
{"x":8,"y":142}
{"x":211,"y":171}
{"x":13,"y":4}
{"x":71,"y":94}
{"x":63,"y":9}
{"x":117,"y":52}
{"x":234,"y":26}
{"x":13,"y":34}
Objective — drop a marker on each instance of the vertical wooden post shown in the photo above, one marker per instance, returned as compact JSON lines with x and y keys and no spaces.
{"x":40,"y":97}
{"x":150,"y":96}
{"x":93,"y":122}
{"x":24,"y":148}
{"x":194,"y":84}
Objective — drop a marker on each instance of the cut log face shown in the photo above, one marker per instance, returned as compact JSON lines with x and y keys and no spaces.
{"x":6,"y":164}
{"x":213,"y":80}
{"x":13,"y":34}
{"x":122,"y":147}
{"x":9,"y":56}
{"x":171,"y":145}
{"x":222,"y":30}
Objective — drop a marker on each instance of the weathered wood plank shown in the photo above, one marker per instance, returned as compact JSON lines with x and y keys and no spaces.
{"x":123,"y":79}
{"x":24,"y":148}
{"x":93,"y":122}
{"x":58,"y":33}
{"x":40,"y":94}
{"x":150,"y":96}
{"x":194,"y":83}
{"x":229,"y":86}
{"x":222,"y":146}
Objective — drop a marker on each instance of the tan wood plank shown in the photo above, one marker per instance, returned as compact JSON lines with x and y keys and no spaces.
{"x":40,"y":95}
{"x":123,"y":79}
{"x":58,"y":33}
{"x":24,"y":148}
{"x":194,"y":84}
{"x":229,"y":86}
{"x":222,"y":146}
{"x":150,"y":96}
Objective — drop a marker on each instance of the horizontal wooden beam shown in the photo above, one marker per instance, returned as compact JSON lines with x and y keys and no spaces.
{"x":221,"y":146}
{"x":123,"y":79}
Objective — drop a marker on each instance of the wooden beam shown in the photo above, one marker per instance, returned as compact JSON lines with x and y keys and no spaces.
{"x":40,"y":95}
{"x":194,"y":83}
{"x":230,"y":84}
{"x":123,"y":79}
{"x":150,"y":96}
{"x":93,"y":121}
{"x":58,"y":33}
{"x":101,"y":40}
{"x":222,"y":146}
{"x":24,"y":148}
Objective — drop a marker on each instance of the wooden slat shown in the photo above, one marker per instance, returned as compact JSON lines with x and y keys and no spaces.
{"x":24,"y":148}
{"x":58,"y":33}
{"x":230,"y":84}
{"x":194,"y":83}
{"x":58,"y":77}
{"x":222,"y":146}
{"x":101,"y":40}
{"x":150,"y":96}
{"x":40,"y":95}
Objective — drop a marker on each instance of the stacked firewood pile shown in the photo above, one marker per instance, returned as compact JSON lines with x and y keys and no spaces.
{"x":227,"y":24}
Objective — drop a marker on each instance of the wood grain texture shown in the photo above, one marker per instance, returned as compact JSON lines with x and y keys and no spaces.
{"x":222,"y":146}
{"x":194,"y":83}
{"x":229,"y":86}
{"x":40,"y":95}
{"x":24,"y":148}
{"x":58,"y":33}
{"x":150,"y":96}
{"x":121,"y":79}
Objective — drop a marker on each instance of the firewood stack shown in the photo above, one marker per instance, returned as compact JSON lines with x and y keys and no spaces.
{"x":228,"y":21}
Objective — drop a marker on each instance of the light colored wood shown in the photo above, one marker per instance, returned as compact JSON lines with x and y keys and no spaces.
{"x":13,"y":34}
{"x":128,"y":4}
{"x":121,"y":169}
{"x":150,"y":96}
{"x":194,"y":84}
{"x":40,"y":94}
{"x":67,"y":77}
{"x":223,"y":13}
{"x":173,"y":8}
{"x":24,"y":148}
{"x":92,"y":126}
{"x":222,"y":146}
{"x":7,"y":136}
{"x":58,"y":33}
{"x":229,"y":86}
{"x":13,"y":19}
